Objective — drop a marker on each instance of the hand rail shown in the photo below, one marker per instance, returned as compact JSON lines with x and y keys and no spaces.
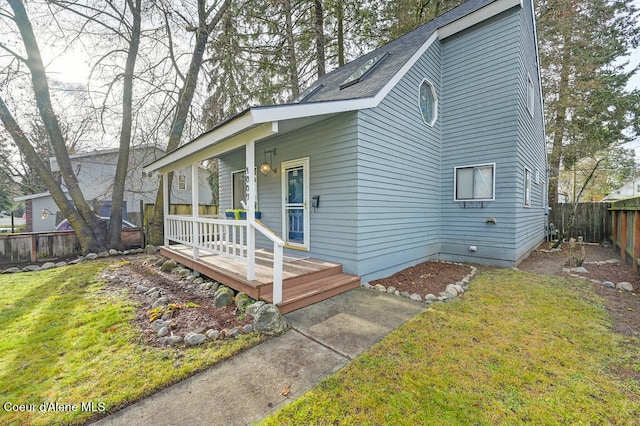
{"x":278,"y":255}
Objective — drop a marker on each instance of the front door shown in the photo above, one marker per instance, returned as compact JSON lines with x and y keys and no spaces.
{"x":295,"y":206}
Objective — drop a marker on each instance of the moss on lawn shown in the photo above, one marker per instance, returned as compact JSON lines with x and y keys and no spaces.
{"x":518,"y":348}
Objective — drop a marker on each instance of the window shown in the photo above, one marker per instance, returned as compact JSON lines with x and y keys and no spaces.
{"x":239,"y":190}
{"x":527,"y":188}
{"x":359,"y":74}
{"x":530,"y":95}
{"x":474,"y":183}
{"x":182,"y":181}
{"x":428,"y":103}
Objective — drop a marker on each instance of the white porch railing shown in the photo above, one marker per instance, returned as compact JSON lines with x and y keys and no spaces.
{"x":227,"y":238}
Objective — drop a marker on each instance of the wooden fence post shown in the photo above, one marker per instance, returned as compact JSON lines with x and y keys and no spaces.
{"x":636,"y":240}
{"x":623,"y":236}
{"x":34,"y":248}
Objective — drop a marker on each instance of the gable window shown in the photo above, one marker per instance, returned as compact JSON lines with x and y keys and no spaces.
{"x":474,"y":183}
{"x":530,"y":95}
{"x":428,"y":102}
{"x":527,"y":188}
{"x":182,"y":181}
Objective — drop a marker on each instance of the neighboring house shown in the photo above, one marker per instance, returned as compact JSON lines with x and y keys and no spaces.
{"x":430,"y":147}
{"x":628,"y":190}
{"x":95,"y":172}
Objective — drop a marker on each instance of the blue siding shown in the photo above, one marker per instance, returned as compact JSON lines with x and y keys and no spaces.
{"x":398,"y":177}
{"x":480,"y":126}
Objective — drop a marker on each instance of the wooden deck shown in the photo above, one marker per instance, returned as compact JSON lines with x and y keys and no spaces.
{"x":305,"y":280}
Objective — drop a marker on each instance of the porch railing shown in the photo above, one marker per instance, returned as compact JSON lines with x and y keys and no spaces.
{"x":227,"y":238}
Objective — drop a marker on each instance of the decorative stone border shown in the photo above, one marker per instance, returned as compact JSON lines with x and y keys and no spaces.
{"x":575,"y":273}
{"x":451,"y":291}
{"x":80,"y":259}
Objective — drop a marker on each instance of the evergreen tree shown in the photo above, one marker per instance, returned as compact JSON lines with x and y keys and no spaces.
{"x":588,"y":110}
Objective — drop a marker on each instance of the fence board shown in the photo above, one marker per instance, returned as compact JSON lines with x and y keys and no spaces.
{"x":592,"y":222}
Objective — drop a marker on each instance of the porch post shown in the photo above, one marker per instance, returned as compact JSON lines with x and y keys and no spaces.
{"x":250,"y":185}
{"x":195,"y":202}
{"x":165,"y":207}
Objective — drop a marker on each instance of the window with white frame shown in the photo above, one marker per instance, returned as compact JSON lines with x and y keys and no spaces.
{"x":527,"y":187}
{"x":475,"y":183}
{"x":428,"y":102}
{"x":182,"y":181}
{"x":530,"y":95}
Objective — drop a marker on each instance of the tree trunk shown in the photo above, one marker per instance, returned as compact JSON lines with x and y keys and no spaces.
{"x":340,"y":15}
{"x":185,"y":98}
{"x":117,"y":195}
{"x":319,"y":27}
{"x":291,"y":49}
{"x":559,"y":125}
{"x":87,"y":227}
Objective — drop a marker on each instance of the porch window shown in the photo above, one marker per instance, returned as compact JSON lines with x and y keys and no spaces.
{"x":474,"y":183}
{"x":182,"y":181}
{"x":239,"y":190}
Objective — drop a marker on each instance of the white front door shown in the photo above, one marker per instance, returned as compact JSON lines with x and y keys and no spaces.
{"x":295,"y":203}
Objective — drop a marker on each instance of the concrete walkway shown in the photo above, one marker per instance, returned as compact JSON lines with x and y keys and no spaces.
{"x":248,"y":387}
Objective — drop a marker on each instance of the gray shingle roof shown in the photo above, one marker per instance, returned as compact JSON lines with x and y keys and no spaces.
{"x":400,"y":51}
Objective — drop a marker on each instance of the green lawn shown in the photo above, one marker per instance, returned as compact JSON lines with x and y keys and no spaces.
{"x":518,"y":348}
{"x":65,"y":340}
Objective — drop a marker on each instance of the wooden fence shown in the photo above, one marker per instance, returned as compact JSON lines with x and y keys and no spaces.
{"x":33,"y":247}
{"x":592,"y":221}
{"x":626,"y":229}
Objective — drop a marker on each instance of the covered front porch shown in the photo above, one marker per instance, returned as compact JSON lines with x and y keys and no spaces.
{"x":226,"y":249}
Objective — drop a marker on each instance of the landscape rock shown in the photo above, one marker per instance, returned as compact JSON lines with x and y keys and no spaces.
{"x":223,"y":297}
{"x":183,"y":272}
{"x":61,"y":264}
{"x":624,"y":286}
{"x":391,"y":289}
{"x":113,"y":252}
{"x":242,"y":301}
{"x":579,"y":270}
{"x":248,"y":328}
{"x":212,"y":334}
{"x":380,"y":287}
{"x":91,"y":256}
{"x":194,"y":339}
{"x":253,"y":308}
{"x":405,"y":294}
{"x":430,"y":298}
{"x":141,"y":289}
{"x":168,"y":266}
{"x":230,"y":333}
{"x":31,"y":268}
{"x":366,"y":285}
{"x":150,"y":249}
{"x":11,"y":270}
{"x":103,"y":254}
{"x":448,"y":295}
{"x":608,"y":284}
{"x":416,"y":296}
{"x":47,"y":265}
{"x":174,"y":340}
{"x":268,"y":320}
{"x":198,"y":280}
{"x":76,"y":261}
{"x":159,"y":324}
{"x":453,"y":288}
{"x":162,"y":301}
{"x":163,"y":332}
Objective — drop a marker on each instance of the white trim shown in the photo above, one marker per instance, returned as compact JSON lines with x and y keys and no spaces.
{"x":304,"y":162}
{"x":455,"y":182}
{"x":435,"y":102}
{"x":476,"y":17}
{"x":182,"y":179}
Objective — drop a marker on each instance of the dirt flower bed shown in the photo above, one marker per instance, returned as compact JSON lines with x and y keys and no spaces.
{"x":425,"y":278}
{"x":190,"y":309}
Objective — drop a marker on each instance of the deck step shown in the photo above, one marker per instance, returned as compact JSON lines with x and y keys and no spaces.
{"x":317,"y":290}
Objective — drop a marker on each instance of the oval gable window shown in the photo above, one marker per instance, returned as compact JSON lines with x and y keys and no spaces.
{"x":428,"y":102}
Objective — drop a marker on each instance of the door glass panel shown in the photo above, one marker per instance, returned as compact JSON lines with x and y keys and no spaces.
{"x":295,"y":184}
{"x":295,"y":226}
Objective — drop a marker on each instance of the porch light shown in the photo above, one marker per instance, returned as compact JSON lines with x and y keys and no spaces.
{"x":45,"y":214}
{"x":266,"y":167}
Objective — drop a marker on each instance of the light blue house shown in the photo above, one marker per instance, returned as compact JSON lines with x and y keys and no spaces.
{"x":430,"y":147}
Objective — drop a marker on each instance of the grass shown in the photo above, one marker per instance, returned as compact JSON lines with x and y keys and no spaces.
{"x":65,"y":339}
{"x":518,"y":348}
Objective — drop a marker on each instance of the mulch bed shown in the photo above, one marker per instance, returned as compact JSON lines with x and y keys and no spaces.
{"x":425,"y":278}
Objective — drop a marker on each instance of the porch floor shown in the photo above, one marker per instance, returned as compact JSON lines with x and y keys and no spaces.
{"x":305,"y":280}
